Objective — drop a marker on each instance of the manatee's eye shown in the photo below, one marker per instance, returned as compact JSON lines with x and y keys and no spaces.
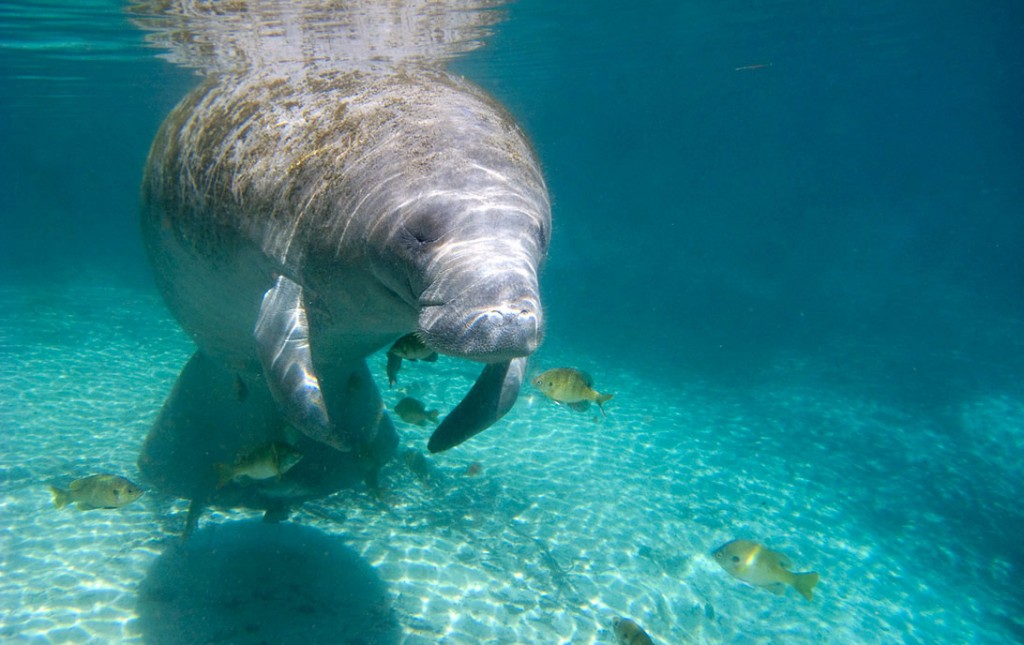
{"x":735,"y":558}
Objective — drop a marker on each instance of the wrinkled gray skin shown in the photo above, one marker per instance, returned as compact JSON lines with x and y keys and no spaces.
{"x":298,"y":224}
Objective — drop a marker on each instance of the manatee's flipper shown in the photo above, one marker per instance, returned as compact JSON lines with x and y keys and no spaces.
{"x":360,"y":415}
{"x":490,"y":398}
{"x":394,"y":364}
{"x":282,"y":339}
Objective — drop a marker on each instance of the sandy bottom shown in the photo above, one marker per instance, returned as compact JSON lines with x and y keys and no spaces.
{"x":573,"y":518}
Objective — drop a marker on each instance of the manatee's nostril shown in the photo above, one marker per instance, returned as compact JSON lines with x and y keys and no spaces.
{"x":510,"y":315}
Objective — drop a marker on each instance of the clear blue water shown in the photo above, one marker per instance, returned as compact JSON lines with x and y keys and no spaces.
{"x":788,"y":235}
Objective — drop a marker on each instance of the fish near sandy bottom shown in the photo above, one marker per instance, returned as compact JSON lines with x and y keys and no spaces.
{"x":272,"y":459}
{"x":413,"y":411}
{"x":97,"y":491}
{"x":758,"y":565}
{"x":570,"y":386}
{"x":418,"y":465}
{"x":628,"y":632}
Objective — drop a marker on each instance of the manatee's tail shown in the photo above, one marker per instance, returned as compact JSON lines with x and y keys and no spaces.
{"x":602,"y":399}
{"x":61,"y":498}
{"x":804,"y":583}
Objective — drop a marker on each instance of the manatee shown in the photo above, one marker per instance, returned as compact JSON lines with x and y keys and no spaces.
{"x":300,"y":219}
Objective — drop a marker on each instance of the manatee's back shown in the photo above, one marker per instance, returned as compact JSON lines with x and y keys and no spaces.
{"x":229,"y":178}
{"x":223,"y":195}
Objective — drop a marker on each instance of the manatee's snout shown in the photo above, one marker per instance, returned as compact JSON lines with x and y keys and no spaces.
{"x":488,"y":333}
{"x":481,"y":301}
{"x":512,"y":327}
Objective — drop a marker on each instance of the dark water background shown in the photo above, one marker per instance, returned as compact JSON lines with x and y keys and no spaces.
{"x":839,"y":183}
{"x":866,"y":188}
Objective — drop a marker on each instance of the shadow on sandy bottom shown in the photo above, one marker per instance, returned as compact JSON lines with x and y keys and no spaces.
{"x":250,"y":582}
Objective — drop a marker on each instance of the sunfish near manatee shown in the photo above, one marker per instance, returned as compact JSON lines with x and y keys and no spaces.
{"x":410,"y":348}
{"x":758,"y":565}
{"x":97,"y":491}
{"x":299,"y":216}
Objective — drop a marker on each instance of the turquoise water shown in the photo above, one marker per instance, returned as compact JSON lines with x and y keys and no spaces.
{"x":787,"y":237}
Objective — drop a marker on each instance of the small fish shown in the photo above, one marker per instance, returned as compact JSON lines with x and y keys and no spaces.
{"x":474,"y":469}
{"x":418,"y":464}
{"x":629,"y":633}
{"x":571,"y":387}
{"x":411,"y":348}
{"x":97,"y":491}
{"x":746,"y":68}
{"x":757,"y":565}
{"x":413,"y":411}
{"x":263,"y":462}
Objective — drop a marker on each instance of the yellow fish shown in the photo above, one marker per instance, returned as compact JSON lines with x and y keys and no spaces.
{"x":97,"y":491}
{"x":413,"y":411}
{"x":757,"y":565}
{"x":571,"y":387}
{"x":263,"y":462}
{"x":629,"y":633}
